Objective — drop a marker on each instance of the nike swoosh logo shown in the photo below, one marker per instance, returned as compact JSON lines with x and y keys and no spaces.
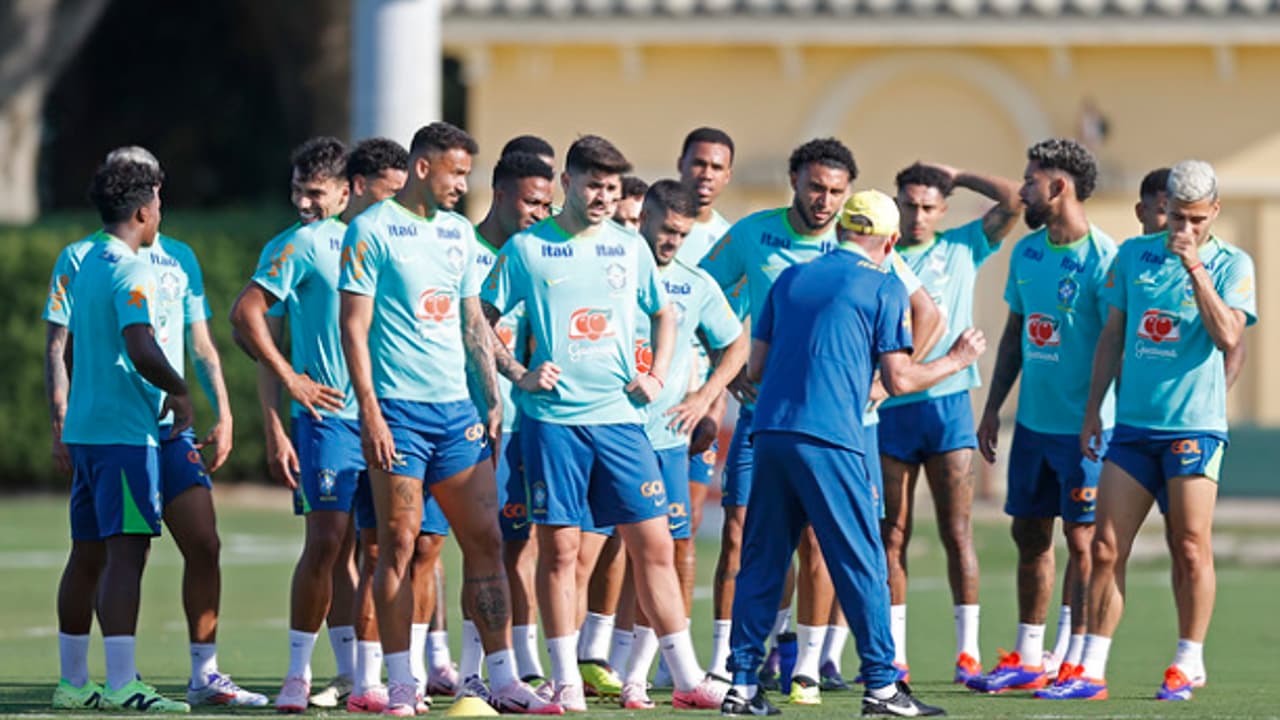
{"x":519,"y":526}
{"x":1023,"y":282}
{"x":1188,"y":461}
{"x":552,"y":282}
{"x":523,"y":705}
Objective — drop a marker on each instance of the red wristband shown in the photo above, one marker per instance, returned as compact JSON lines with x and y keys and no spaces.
{"x":1195,"y":267}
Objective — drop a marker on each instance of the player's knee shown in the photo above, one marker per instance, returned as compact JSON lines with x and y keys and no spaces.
{"x":203,"y":551}
{"x":1079,"y":541}
{"x":1032,"y":537}
{"x":895,"y":538}
{"x":1192,"y":552}
{"x":1104,"y":552}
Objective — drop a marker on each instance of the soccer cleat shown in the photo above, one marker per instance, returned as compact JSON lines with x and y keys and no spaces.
{"x":706,"y":695}
{"x":518,"y":697}
{"x":1074,"y":687}
{"x":902,"y":704}
{"x":804,"y":691}
{"x":966,"y":669}
{"x":443,"y":680}
{"x":832,"y":680}
{"x":220,"y":690}
{"x":598,"y":679}
{"x":473,"y":686}
{"x":423,"y":704}
{"x":569,"y":697}
{"x":1065,"y":671}
{"x":1176,"y":685}
{"x":771,"y":671}
{"x":904,"y":675}
{"x":372,"y":700}
{"x":293,"y":695}
{"x":735,"y":705}
{"x":402,"y":700}
{"x":1010,"y":674}
{"x":69,"y":697}
{"x":635,"y":696}
{"x":139,"y":697}
{"x":334,"y":693}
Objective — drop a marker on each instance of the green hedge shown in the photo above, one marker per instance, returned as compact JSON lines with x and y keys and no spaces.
{"x":227,"y":243}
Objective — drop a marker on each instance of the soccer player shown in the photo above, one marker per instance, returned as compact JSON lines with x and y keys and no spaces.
{"x":582,"y":437}
{"x":1179,"y":300}
{"x":702,"y":315}
{"x":627,"y":212}
{"x":421,"y":361}
{"x":817,"y":338}
{"x":533,"y":145}
{"x":1056,"y":312}
{"x":755,"y":251}
{"x":120,"y":378}
{"x":182,"y":314}
{"x":522,"y":186}
{"x":933,"y":429}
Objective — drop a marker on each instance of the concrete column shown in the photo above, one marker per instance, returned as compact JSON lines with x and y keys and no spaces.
{"x":396,"y":67}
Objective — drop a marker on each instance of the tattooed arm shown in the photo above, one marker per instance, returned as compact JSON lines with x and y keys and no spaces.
{"x":57,"y":383}
{"x":478,"y":341}
{"x":1000,"y":219}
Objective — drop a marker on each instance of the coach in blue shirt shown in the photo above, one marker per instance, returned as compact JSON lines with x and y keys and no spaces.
{"x":817,"y":341}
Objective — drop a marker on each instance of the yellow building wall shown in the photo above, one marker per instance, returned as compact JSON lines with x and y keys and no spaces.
{"x":974,"y":108}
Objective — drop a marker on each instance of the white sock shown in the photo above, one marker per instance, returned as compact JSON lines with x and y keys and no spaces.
{"x":564,"y":659}
{"x":204,"y":662}
{"x":809,"y":639}
{"x":898,"y":629}
{"x":502,"y":668}
{"x":677,"y":648}
{"x":1064,"y":632}
{"x":1075,"y":650}
{"x":620,"y":648}
{"x":746,"y":691}
{"x":967,"y":631}
{"x":368,"y":666}
{"x":644,"y":647}
{"x":399,"y":668}
{"x":301,"y":645}
{"x":833,"y":645}
{"x":438,"y":649}
{"x":883,"y":693}
{"x":524,"y":641}
{"x":343,"y":640}
{"x":1189,"y":657}
{"x":720,"y":648}
{"x":593,"y":640}
{"x":472,"y":651}
{"x":73,"y":655}
{"x":121,"y":667}
{"x":1096,"y":649}
{"x":418,"y":653}
{"x":780,"y":622}
{"x":1030,"y":644}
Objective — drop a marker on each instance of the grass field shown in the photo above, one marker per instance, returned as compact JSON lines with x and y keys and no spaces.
{"x":261,"y":540}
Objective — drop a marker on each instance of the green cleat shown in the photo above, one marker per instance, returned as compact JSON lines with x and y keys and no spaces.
{"x":600,"y":679}
{"x":805,"y":691}
{"x":139,"y":697}
{"x":69,"y":697}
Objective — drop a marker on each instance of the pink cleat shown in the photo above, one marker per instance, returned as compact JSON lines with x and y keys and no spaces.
{"x":293,"y":695}
{"x":402,"y":700}
{"x":635,"y":696}
{"x":706,"y":695}
{"x":520,"y":698}
{"x":373,"y":700}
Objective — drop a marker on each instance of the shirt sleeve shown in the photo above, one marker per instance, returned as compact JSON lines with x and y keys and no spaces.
{"x":975,"y":239}
{"x":283,"y":266}
{"x":508,"y":281}
{"x":716,"y":318}
{"x":650,"y":294}
{"x":131,"y":294}
{"x":1114,"y":287}
{"x":1101,"y":281}
{"x":1235,"y":283}
{"x":893,"y":320}
{"x":1011,"y":294}
{"x":473,"y":273}
{"x":724,"y":262}
{"x":196,"y":302}
{"x":362,"y":258}
{"x":57,"y":308}
{"x":903,"y":271}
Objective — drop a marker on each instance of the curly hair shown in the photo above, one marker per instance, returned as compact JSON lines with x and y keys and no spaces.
{"x":824,"y":151}
{"x":320,"y":158}
{"x":441,"y":137}
{"x":1069,"y":157}
{"x":370,"y":157}
{"x":926,"y":175}
{"x":519,"y":165}
{"x":531,"y":144}
{"x":119,"y":188}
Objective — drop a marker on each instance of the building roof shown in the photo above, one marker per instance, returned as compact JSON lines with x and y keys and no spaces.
{"x":833,"y":9}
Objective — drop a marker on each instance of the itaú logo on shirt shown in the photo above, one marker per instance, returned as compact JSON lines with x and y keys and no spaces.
{"x":435,"y":305}
{"x":590,"y":324}
{"x":1160,"y":326}
{"x":1043,"y":330}
{"x":644,"y":356}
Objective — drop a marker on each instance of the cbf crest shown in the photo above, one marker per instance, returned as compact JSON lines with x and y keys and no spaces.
{"x":328,"y":482}
{"x":1068,"y":291}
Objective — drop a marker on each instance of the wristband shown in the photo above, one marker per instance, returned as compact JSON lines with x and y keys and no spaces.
{"x":1195,"y":267}
{"x":661,"y":384}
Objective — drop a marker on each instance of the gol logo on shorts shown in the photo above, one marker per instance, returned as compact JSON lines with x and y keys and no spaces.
{"x":475,"y":432}
{"x":514,"y":511}
{"x":677,"y":510}
{"x":1084,"y":494}
{"x":652,"y":488}
{"x":1190,"y":446}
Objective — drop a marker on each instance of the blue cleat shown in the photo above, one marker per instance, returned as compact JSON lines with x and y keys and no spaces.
{"x":1176,"y":685}
{"x":1010,"y":674}
{"x":1075,"y":687}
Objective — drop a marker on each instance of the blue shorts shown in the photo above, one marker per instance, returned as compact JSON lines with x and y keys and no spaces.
{"x":919,"y":430}
{"x":513,"y":494}
{"x":601,"y":475}
{"x":435,"y":441}
{"x":181,"y":467}
{"x":115,"y":491}
{"x":433,"y":520}
{"x":1154,"y":457}
{"x":1050,"y":477}
{"x":330,"y":462}
{"x":674,"y":464}
{"x":702,"y":467}
{"x":736,"y":488}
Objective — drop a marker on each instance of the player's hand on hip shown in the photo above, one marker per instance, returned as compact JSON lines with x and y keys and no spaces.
{"x":313,"y":396}
{"x":180,"y":406}
{"x":686,"y":415}
{"x":989,"y":436}
{"x":540,"y":379}
{"x":282,"y":460}
{"x":219,"y":440}
{"x":1091,"y":436}
{"x":643,"y":389}
{"x":968,"y":347}
{"x":742,"y":389}
{"x":376,"y":442}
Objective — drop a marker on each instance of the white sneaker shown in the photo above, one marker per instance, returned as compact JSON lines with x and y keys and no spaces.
{"x":519,"y":697}
{"x":635,"y":696}
{"x":402,"y":700}
{"x":334,"y":693}
{"x":293,"y":695}
{"x":570,"y":697}
{"x":473,"y":686}
{"x":220,"y":690}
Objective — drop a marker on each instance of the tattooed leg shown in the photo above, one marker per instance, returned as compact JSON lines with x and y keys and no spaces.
{"x":397,"y":502}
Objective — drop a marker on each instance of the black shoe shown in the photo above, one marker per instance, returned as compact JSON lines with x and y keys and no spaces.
{"x":735,"y":705}
{"x":902,"y":704}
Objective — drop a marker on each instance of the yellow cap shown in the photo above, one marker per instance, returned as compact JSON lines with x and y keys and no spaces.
{"x":470,"y":706}
{"x":870,"y":212}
